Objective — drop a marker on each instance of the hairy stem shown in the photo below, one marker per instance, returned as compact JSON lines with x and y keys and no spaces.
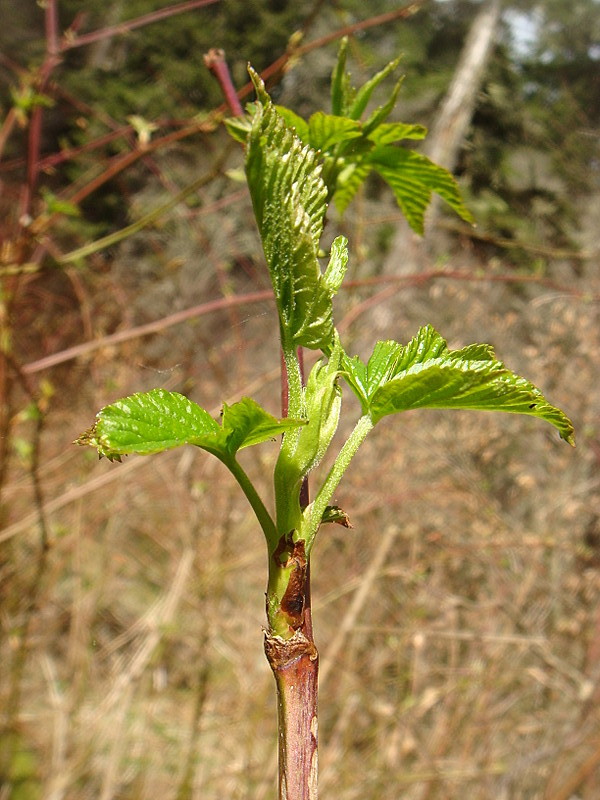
{"x":293,"y":373}
{"x":287,"y":496}
{"x":314,"y":512}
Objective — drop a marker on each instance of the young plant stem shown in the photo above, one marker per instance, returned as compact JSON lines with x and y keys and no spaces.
{"x":289,"y":645}
{"x":289,"y":642}
{"x":287,"y":497}
{"x":325,"y":494}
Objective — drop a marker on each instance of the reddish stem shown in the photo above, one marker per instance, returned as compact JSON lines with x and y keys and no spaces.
{"x":295,"y":665}
{"x":124,"y":27}
{"x":215,"y":61}
{"x":51,"y":60}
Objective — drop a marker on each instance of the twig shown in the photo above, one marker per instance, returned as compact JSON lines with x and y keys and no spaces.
{"x":279,"y":64}
{"x":51,"y":60}
{"x":517,"y":244}
{"x":416,"y":279}
{"x":215,"y":61}
{"x":147,"y":219}
{"x":145,"y":330}
{"x":71,"y":40}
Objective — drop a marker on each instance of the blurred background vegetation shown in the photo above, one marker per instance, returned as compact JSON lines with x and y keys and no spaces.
{"x":459,"y":621}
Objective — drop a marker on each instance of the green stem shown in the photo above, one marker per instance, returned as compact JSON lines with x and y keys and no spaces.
{"x":287,"y":494}
{"x":314,"y":512}
{"x":259,"y":508}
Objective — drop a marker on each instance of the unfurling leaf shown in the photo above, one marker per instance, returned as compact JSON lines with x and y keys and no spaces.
{"x":289,"y":199}
{"x":426,"y":374}
{"x":323,"y":401}
{"x":338,"y":261}
{"x":150,"y":422}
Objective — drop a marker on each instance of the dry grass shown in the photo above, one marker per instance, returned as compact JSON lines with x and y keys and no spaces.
{"x":457,"y":622}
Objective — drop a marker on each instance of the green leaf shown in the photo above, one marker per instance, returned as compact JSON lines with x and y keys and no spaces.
{"x":363,"y":95}
{"x":150,"y":422}
{"x":246,"y":423}
{"x":295,"y":122}
{"x":382,"y":113}
{"x":349,"y":181}
{"x":413,"y":177}
{"x":327,"y":130}
{"x":26,"y":99}
{"x":426,"y":374}
{"x":390,"y":132}
{"x":289,"y":199}
{"x":365,"y":379}
{"x":340,"y":81}
{"x":55,"y":205}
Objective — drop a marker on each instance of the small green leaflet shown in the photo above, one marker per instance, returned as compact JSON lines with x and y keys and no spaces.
{"x":246,"y":423}
{"x":426,"y":374}
{"x":413,"y":177}
{"x":150,"y":422}
{"x":342,"y":92}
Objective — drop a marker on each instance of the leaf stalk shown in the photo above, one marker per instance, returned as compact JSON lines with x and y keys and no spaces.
{"x":314,"y":512}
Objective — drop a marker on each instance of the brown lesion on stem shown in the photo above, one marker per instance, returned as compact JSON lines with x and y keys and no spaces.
{"x":292,"y":554}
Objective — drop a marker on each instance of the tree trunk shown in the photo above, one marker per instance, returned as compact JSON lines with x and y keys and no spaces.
{"x":451,"y":125}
